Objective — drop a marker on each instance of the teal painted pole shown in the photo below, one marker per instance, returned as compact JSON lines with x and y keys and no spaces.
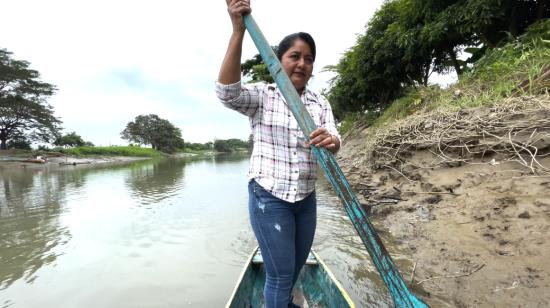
{"x":399,"y":291}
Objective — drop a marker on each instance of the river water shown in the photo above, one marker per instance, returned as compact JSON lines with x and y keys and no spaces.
{"x":156,"y":233}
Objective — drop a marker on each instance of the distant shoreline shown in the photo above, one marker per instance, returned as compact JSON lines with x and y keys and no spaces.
{"x":15,"y":162}
{"x":14,"y":159}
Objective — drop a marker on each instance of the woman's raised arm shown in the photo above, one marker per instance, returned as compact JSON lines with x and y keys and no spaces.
{"x":230,"y":71}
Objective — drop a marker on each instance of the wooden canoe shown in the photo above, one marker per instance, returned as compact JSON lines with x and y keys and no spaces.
{"x":316,"y":285}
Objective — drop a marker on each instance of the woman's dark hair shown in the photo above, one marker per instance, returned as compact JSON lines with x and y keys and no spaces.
{"x":288,"y":41}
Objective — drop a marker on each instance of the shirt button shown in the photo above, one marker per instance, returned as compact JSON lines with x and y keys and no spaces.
{"x":294,"y":189}
{"x":294,"y":153}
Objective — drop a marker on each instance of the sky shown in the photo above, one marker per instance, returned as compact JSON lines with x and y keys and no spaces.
{"x":114,"y":60}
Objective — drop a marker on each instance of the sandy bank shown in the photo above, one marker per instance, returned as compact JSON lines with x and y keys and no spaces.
{"x":475,"y":228}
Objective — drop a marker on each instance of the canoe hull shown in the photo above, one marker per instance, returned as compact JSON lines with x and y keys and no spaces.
{"x":317,"y":284}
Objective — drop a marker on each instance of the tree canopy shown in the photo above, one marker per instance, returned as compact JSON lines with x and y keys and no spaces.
{"x":407,"y":40}
{"x":152,"y":130}
{"x":231,"y":145}
{"x":71,"y":140}
{"x":19,"y":142}
{"x":195,"y":146}
{"x":24,"y":111}
{"x":256,"y":69}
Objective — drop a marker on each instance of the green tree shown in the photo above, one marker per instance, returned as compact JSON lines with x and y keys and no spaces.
{"x":235,"y":143}
{"x":407,"y":40}
{"x":256,"y":69}
{"x":24,"y":110}
{"x":70,"y":140}
{"x":230,"y":145}
{"x":446,"y":27}
{"x":222,"y":146}
{"x":19,"y":142}
{"x":372,"y":73}
{"x":199,"y":146}
{"x":159,"y":133}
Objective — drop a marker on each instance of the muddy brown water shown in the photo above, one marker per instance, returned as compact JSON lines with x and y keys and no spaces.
{"x":159,"y":233}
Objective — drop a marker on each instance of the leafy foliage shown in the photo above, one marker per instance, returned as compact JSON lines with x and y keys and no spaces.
{"x":230,"y":145}
{"x":256,"y":69}
{"x":501,"y":70}
{"x":407,"y":40}
{"x":70,"y":140}
{"x":198,"y":146}
{"x":495,"y":76}
{"x":24,"y":110}
{"x":19,"y":142}
{"x":159,"y":133}
{"x":135,"y":151}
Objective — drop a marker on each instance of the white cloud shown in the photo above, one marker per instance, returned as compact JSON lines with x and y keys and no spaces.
{"x":114,"y":60}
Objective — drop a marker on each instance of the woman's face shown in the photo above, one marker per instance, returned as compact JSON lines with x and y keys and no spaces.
{"x":297,"y":62}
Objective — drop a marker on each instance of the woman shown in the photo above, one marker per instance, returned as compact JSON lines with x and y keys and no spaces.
{"x":282,"y":173}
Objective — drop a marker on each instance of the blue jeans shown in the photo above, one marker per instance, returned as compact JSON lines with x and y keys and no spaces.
{"x":285,"y":233}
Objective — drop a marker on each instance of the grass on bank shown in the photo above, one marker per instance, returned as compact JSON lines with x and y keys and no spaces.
{"x":112,"y":151}
{"x":131,"y":151}
{"x":495,"y":76}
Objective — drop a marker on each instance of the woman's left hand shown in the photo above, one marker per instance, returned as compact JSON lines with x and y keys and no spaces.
{"x":322,"y":138}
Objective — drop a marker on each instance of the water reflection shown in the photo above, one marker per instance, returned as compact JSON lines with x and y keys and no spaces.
{"x":30,"y":204}
{"x":340,"y":246}
{"x":154,"y":233}
{"x":151,"y":234}
{"x":230,"y":157}
{"x":154,"y":182}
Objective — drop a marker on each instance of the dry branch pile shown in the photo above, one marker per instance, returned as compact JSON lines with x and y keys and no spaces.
{"x":517,"y":129}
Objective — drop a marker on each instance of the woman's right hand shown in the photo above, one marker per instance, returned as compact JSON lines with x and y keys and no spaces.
{"x":230,"y":71}
{"x":236,"y":9}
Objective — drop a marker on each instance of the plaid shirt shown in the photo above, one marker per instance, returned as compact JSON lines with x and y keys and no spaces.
{"x":280,"y":161}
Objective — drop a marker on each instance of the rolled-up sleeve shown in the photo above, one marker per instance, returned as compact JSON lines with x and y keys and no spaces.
{"x":234,"y":96}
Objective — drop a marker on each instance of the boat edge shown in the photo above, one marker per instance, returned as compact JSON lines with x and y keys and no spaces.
{"x":333,"y":278}
{"x":241,"y":276}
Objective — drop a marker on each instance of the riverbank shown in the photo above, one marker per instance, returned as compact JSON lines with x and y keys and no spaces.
{"x":466,"y":195}
{"x":16,"y":161}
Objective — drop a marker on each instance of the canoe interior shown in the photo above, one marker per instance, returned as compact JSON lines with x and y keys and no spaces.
{"x":316,"y":283}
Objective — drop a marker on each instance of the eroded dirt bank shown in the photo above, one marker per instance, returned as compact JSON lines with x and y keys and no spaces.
{"x":476,"y":222}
